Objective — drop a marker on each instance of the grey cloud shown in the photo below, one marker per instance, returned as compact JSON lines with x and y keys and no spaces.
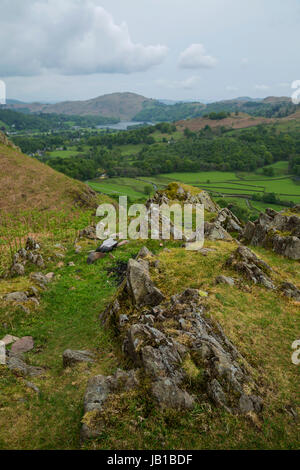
{"x":72,"y":37}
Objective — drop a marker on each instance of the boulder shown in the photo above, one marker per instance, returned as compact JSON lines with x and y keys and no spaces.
{"x":16,"y":297}
{"x":23,"y":345}
{"x":290,"y":290}
{"x":17,"y":269}
{"x":244,"y":261}
{"x":141,"y":286}
{"x":94,"y":256}
{"x":144,"y":252}
{"x":17,"y":365}
{"x":71,"y":358}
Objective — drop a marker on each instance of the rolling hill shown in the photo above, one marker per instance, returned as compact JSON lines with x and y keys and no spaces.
{"x":134,"y":107}
{"x":25,"y":183}
{"x":242,"y":120}
{"x":123,"y":106}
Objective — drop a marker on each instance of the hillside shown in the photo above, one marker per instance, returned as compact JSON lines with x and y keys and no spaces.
{"x":240,"y":121}
{"x":25,"y":183}
{"x":130,"y":106}
{"x":192,"y":349}
{"x":123,"y":106}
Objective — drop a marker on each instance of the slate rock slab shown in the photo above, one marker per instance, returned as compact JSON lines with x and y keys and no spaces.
{"x":24,"y":344}
{"x":16,"y":297}
{"x":70,"y":357}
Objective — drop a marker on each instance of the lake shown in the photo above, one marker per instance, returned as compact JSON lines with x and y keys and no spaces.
{"x":122,"y":125}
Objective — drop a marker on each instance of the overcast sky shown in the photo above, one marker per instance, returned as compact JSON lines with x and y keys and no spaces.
{"x":55,"y":50}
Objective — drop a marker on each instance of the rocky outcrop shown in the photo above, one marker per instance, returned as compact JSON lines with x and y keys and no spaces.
{"x":228,"y":221}
{"x":245,"y":262}
{"x":277,"y":231}
{"x":29,"y":254}
{"x":215,"y":231}
{"x":177,"y":192}
{"x":173,"y":343}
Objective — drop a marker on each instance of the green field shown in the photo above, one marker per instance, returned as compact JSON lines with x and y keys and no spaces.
{"x":70,"y":152}
{"x":227,"y":185}
{"x":130,"y":187}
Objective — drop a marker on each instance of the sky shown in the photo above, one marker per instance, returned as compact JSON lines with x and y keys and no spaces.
{"x":57,"y":50}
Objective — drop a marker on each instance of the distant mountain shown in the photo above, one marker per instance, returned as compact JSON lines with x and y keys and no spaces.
{"x":134,"y":107}
{"x":277,"y":99}
{"x":14,"y":102}
{"x":122,"y":106}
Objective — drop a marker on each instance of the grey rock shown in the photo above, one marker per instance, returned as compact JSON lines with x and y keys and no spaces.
{"x":40,"y":279}
{"x":141,"y":286}
{"x":33,"y":387}
{"x":224,"y":280}
{"x":22,"y":345}
{"x":216,"y":393}
{"x":268,"y":229}
{"x":228,"y":221}
{"x":71,"y":357}
{"x":144,"y":252}
{"x":9,"y":339}
{"x":31,"y":244}
{"x":18,"y":366}
{"x":244,"y":261}
{"x":17,"y":269}
{"x":215,"y":231}
{"x":107,"y":246}
{"x":290,"y":290}
{"x":206,"y":251}
{"x":16,"y":297}
{"x":250,"y":403}
{"x":169,"y":395}
{"x":32,"y":292}
{"x":50,"y":276}
{"x":245,"y":404}
{"x":99,"y":388}
{"x":94,"y":256}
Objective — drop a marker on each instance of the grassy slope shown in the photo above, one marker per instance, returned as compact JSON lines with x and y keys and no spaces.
{"x":241,"y":121}
{"x":261,"y":323}
{"x":26,"y":183}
